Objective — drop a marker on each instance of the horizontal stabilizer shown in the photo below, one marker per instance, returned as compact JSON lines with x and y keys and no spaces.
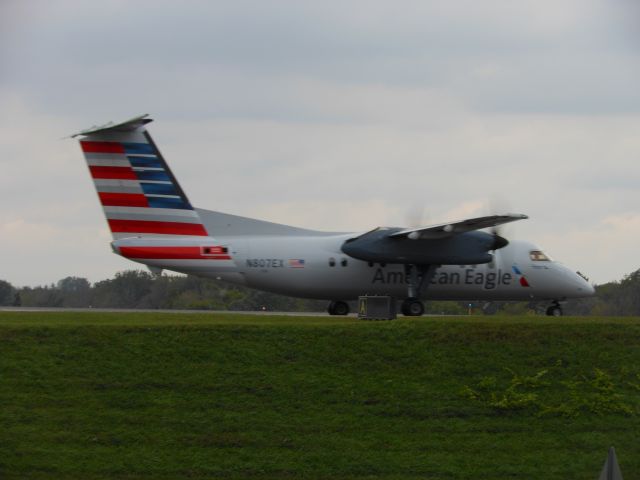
{"x":126,"y":126}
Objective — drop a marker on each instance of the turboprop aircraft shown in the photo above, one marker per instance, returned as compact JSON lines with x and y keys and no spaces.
{"x":154,"y":223}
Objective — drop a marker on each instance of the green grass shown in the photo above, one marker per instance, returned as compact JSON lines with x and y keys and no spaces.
{"x":170,"y":396}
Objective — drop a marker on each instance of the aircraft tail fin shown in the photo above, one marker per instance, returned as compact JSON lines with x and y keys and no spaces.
{"x":139,"y":194}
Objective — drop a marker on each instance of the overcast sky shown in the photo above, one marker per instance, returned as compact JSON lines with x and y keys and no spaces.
{"x":331,"y":115}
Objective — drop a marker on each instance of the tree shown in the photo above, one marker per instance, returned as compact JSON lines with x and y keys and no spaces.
{"x":7,"y":293}
{"x":126,"y":290}
{"x":47,"y":296}
{"x":75,"y":291}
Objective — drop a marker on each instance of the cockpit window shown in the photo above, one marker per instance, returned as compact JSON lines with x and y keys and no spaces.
{"x":538,"y":256}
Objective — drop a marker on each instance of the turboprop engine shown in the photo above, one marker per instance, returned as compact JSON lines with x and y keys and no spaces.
{"x":382,"y":246}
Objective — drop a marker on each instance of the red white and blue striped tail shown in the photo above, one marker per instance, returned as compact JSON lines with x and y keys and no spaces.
{"x":139,"y":194}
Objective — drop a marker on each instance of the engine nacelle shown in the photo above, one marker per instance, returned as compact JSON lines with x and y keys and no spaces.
{"x":468,"y":248}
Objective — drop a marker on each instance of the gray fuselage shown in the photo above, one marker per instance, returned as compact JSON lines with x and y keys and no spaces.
{"x":312,"y":265}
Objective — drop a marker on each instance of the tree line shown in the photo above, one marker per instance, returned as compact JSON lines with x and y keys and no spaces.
{"x":138,"y":289}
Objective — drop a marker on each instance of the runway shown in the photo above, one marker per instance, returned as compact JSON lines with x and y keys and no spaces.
{"x":140,"y":310}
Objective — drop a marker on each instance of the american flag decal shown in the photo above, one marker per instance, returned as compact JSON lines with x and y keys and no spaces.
{"x":296,"y":263}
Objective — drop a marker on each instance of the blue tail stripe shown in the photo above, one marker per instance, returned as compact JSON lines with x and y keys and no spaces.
{"x":159,"y":188}
{"x":152,"y":175}
{"x":133,"y":148}
{"x":164,"y":202}
{"x":151,"y":162}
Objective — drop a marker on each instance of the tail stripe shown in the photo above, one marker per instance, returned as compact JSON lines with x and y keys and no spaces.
{"x":158,"y":213}
{"x":158,"y":188}
{"x":138,"y":161}
{"x":139,"y":193}
{"x":182,"y":253}
{"x":105,"y":182}
{"x":151,"y":175}
{"x":138,"y":148}
{"x":108,"y":161}
{"x":123,"y":199}
{"x":162,"y":228}
{"x":119,"y":189}
{"x":113,"y":173}
{"x":167,"y":202}
{"x":150,"y":217}
{"x":101,"y":147}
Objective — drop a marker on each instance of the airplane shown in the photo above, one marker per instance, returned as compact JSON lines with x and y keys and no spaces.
{"x":153,"y":223}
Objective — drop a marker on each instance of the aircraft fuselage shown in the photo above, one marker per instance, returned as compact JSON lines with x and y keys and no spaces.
{"x":315,"y":267}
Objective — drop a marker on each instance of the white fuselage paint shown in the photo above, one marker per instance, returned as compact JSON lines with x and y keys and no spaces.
{"x":301,"y":266}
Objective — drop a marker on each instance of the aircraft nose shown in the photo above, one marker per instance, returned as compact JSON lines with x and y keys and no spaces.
{"x":589,"y":289}
{"x":580,"y":286}
{"x":584,"y":286}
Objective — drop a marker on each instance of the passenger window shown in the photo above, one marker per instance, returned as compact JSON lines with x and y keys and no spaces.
{"x":332,"y":262}
{"x":538,"y":256}
{"x":343,"y":262}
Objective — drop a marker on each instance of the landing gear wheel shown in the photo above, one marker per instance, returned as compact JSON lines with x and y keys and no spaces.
{"x":412,"y":307}
{"x":338,"y":307}
{"x":554,"y":311}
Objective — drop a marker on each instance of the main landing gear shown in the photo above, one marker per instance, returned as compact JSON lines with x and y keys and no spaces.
{"x":555,"y":310}
{"x":338,"y":307}
{"x":412,"y":307}
{"x":418,"y":278}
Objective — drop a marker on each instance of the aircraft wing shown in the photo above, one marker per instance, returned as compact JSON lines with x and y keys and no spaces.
{"x":448,"y":229}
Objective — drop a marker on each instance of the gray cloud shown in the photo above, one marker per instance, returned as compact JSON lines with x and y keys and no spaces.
{"x":498,"y":56}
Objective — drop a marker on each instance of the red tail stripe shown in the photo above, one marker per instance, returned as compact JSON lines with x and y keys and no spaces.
{"x":102,"y":147}
{"x":112,"y":199}
{"x":166,"y":228}
{"x":174,"y":253}
{"x":113,"y":173}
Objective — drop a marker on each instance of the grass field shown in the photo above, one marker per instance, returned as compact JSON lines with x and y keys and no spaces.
{"x":170,"y":396}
